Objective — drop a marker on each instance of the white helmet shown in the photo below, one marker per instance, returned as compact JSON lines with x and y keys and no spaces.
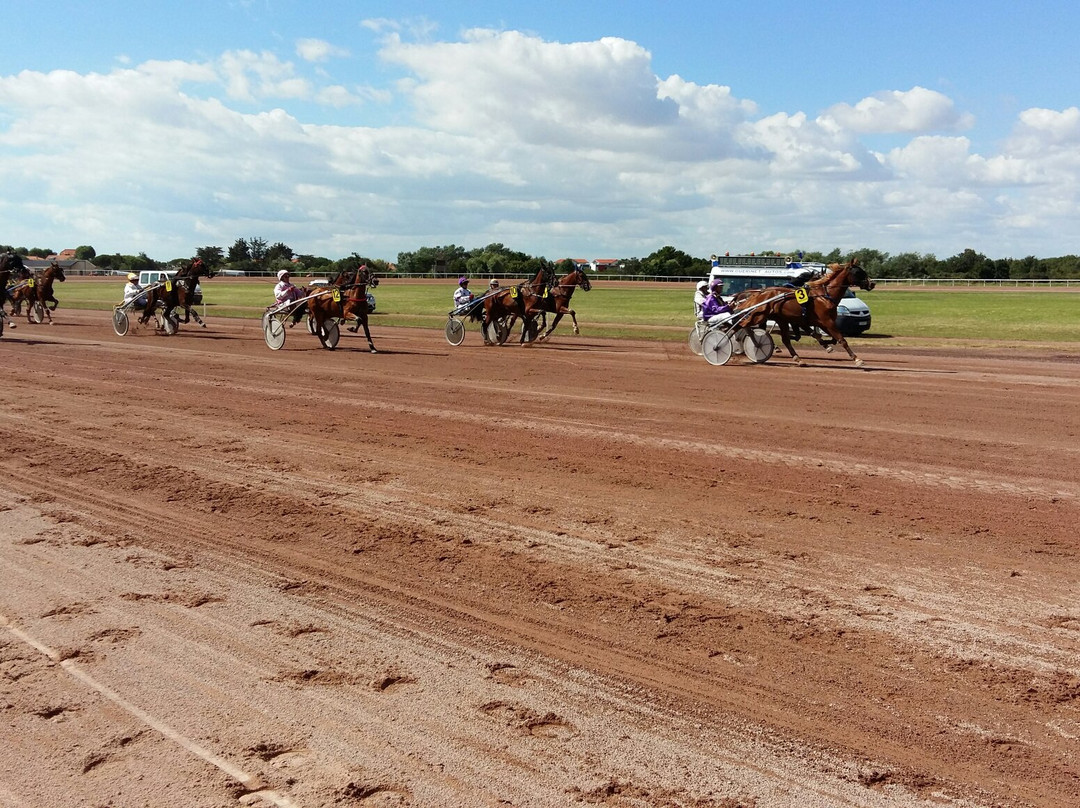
{"x":132,"y":277}
{"x":282,"y":273}
{"x":702,"y":286}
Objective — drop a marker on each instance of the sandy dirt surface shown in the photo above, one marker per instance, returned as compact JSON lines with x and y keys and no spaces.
{"x":583,"y":573}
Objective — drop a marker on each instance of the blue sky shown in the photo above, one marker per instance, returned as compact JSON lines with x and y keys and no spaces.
{"x":599,"y":129}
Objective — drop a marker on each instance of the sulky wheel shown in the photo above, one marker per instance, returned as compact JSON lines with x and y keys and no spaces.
{"x":694,"y":339}
{"x":329,"y":334}
{"x":273,"y":332}
{"x":502,"y":330}
{"x":455,"y":331}
{"x":120,"y":322}
{"x":37,"y":312}
{"x":530,"y":329}
{"x":758,"y":345}
{"x":716,"y":347}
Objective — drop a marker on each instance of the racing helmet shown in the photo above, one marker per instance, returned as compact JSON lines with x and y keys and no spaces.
{"x":494,"y":283}
{"x":463,"y":281}
{"x":718,"y":285}
{"x":132,"y":277}
{"x":702,"y":286}
{"x":282,"y":273}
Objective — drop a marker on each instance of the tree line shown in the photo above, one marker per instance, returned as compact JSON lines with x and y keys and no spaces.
{"x":255,"y":255}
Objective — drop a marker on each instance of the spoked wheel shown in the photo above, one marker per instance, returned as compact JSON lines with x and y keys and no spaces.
{"x":695,"y":337}
{"x":311,"y":326}
{"x":497,"y":331}
{"x":716,"y":347}
{"x":758,"y":345}
{"x":329,"y":334}
{"x":273,"y":332}
{"x":120,"y":322}
{"x":37,"y":312}
{"x":455,"y":331}
{"x":503,"y":330}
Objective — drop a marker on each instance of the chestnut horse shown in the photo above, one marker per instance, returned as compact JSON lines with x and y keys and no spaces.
{"x":177,"y":292}
{"x":346,"y":299}
{"x":818,"y":308}
{"x":38,"y":290}
{"x":557,"y":300}
{"x":510,"y":303}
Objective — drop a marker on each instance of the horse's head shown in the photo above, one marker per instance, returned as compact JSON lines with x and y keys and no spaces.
{"x":583,"y":279}
{"x":197,"y":269}
{"x":366,"y":276}
{"x":56,"y":272}
{"x":857,"y":276}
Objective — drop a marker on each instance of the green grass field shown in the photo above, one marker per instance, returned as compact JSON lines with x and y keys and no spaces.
{"x":648,"y":312}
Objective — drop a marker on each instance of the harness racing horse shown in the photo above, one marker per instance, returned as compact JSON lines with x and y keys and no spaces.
{"x":177,"y":292}
{"x":38,"y":290}
{"x":510,"y":304}
{"x":10,"y":263}
{"x":346,"y":299}
{"x":557,"y":300}
{"x":817,"y":306}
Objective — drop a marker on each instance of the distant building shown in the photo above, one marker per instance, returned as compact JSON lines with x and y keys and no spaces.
{"x":596,"y":264}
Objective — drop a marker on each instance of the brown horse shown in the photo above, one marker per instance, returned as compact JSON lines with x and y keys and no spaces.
{"x":509,"y":304}
{"x":36,"y":290}
{"x":10,"y":264}
{"x":818,"y":308}
{"x":557,"y":300}
{"x":346,"y":299}
{"x":176,"y":292}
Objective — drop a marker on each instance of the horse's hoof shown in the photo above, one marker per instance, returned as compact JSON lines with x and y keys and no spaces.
{"x":859,"y":363}
{"x":352,"y":329}
{"x":374,"y":350}
{"x":829,"y":348}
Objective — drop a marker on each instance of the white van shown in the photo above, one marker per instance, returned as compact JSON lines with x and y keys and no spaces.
{"x":149,"y":276}
{"x":741,"y":272}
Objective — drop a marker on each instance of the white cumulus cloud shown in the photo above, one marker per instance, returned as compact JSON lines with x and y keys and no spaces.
{"x":318,"y":50}
{"x":914,"y":111}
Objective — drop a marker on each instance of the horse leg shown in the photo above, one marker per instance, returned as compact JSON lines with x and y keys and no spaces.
{"x":785,"y":337}
{"x":573,"y":318}
{"x":834,"y":332}
{"x":555,"y":322}
{"x":195,"y":316}
{"x":367,"y":333}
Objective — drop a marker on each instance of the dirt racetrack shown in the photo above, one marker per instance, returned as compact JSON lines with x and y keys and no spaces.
{"x":584,"y":573}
